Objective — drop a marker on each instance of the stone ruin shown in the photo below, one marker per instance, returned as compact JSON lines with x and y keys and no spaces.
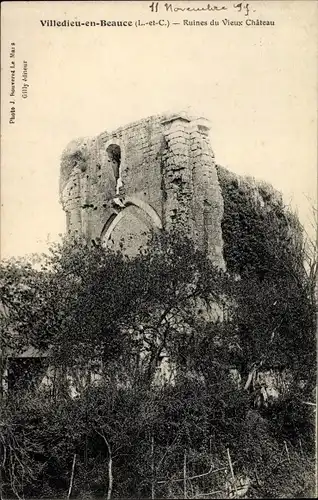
{"x":155,"y":173}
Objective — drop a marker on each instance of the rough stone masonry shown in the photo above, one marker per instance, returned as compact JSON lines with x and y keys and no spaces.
{"x":157,"y":173}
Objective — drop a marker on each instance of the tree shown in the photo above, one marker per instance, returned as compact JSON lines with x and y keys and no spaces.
{"x":96,"y":312}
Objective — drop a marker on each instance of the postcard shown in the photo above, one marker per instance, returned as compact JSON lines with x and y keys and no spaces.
{"x":127,"y":121}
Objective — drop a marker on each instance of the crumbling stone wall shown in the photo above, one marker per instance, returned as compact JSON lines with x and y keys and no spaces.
{"x":155,"y":173}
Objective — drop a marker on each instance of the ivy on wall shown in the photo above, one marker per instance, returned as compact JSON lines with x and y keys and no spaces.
{"x":264,"y":246}
{"x":260,"y":234}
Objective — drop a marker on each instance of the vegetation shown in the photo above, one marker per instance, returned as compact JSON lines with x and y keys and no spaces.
{"x":108,"y":422}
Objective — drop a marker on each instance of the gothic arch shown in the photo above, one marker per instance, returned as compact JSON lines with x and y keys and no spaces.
{"x":130,"y":201}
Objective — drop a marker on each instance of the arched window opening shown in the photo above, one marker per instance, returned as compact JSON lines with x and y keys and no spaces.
{"x":114,"y":157}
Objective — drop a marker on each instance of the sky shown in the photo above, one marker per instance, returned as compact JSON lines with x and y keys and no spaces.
{"x":257,"y":85}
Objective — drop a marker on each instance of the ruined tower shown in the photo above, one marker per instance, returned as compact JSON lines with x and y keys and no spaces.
{"x":157,"y":173}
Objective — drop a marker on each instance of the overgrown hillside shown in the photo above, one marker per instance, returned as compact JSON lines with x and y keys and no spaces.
{"x":97,"y":417}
